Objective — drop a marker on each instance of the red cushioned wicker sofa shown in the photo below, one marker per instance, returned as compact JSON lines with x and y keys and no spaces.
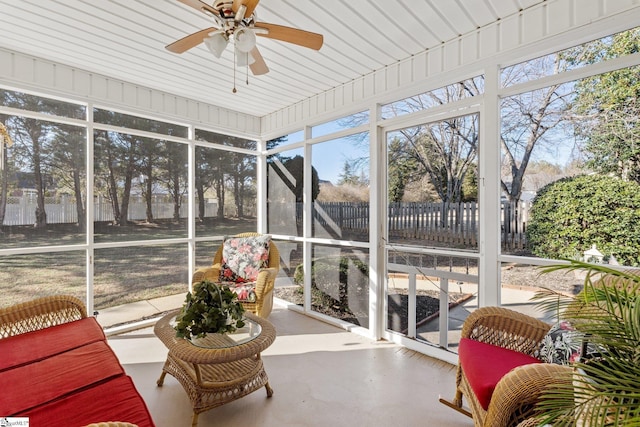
{"x":57,"y":369}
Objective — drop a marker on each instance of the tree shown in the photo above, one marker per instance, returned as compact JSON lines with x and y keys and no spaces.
{"x":116,"y":162}
{"x":543,"y":172}
{"x":148,"y":163}
{"x":224,"y":172}
{"x":219,"y":172}
{"x":290,"y":173}
{"x":607,"y":109}
{"x":68,"y":156}
{"x":295,"y":166}
{"x":442,"y":150}
{"x":470,"y":185}
{"x":105,"y":164}
{"x":242,"y":174}
{"x":352,"y":173}
{"x":402,"y":170}
{"x":128,"y":145}
{"x":207,"y":162}
{"x":31,"y":151}
{"x":173,"y":174}
{"x":35,"y":143}
{"x":348,"y":176}
{"x":530,"y":120}
{"x":243,"y":177}
{"x":5,"y":137}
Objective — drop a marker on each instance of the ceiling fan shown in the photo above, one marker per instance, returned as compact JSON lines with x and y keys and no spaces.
{"x":237,"y":20}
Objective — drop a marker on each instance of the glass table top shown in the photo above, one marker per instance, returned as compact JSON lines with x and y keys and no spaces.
{"x":247,"y":333}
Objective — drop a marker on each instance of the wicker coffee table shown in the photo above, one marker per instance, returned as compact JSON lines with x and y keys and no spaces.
{"x":223,"y":368}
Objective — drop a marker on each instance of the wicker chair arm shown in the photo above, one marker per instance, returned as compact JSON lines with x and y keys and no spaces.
{"x":207,"y":273}
{"x":530,"y":422}
{"x":516,"y":394}
{"x":40,"y":313}
{"x":505,"y":328}
{"x":265,"y":281}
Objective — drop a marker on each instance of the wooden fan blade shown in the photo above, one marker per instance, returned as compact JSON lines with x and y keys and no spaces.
{"x":200,"y":6}
{"x":291,"y":35}
{"x":250,"y":4}
{"x":259,"y":66}
{"x":186,"y":43}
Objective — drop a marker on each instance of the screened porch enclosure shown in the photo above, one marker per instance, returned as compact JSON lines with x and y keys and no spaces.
{"x":400,"y":201}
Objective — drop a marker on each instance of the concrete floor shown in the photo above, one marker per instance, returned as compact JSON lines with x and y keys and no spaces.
{"x":321,"y":376}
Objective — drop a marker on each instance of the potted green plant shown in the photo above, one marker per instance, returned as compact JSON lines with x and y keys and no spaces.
{"x":605,"y":390}
{"x":209,"y":309}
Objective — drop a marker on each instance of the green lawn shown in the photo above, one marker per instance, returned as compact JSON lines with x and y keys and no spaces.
{"x":121,"y":275}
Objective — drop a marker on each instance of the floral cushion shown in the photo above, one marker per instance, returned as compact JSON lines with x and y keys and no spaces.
{"x":561,"y":345}
{"x":246,"y":291}
{"x":243,"y":257}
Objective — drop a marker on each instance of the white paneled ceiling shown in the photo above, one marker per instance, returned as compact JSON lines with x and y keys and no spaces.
{"x":125,"y":39}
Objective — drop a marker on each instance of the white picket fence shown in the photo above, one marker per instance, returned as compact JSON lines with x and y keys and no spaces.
{"x":453,"y":223}
{"x":62,"y":210}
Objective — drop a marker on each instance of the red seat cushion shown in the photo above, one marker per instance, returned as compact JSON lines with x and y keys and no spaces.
{"x":28,"y":386}
{"x":114,"y":400}
{"x":37,"y":345}
{"x":485,"y":364}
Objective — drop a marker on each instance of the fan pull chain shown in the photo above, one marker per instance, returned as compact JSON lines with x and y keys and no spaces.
{"x":247,"y":70}
{"x":234,"y":71}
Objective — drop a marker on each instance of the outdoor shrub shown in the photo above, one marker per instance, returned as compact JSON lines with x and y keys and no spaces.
{"x":337,"y":282}
{"x":323,"y":270}
{"x":568,"y":216}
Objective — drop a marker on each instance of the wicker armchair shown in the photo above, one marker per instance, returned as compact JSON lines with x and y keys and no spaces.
{"x":514,"y":397}
{"x":264,"y":283}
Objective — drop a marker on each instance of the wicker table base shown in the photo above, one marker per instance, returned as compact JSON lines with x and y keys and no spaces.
{"x":215,"y":376}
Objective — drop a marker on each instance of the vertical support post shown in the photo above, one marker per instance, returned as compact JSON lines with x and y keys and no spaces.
{"x":89,"y":214}
{"x":261,"y":203}
{"x":191,"y":201}
{"x":412,"y":309}
{"x":377,"y":225}
{"x":307,"y":218}
{"x":489,"y":192}
{"x":443,"y":320}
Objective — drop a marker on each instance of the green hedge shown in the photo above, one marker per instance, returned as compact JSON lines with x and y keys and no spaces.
{"x":568,"y":216}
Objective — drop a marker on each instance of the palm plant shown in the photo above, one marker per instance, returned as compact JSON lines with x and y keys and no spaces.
{"x":606,"y":382}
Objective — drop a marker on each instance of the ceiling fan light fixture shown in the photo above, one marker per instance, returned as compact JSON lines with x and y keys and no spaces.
{"x":216,"y":43}
{"x":244,"y":58}
{"x":244,"y":39}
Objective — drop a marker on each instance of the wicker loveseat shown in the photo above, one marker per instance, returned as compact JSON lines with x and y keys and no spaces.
{"x":498,"y":374}
{"x":57,"y":369}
